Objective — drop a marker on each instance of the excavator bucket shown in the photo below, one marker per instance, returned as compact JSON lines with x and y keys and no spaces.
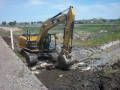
{"x":66,"y":59}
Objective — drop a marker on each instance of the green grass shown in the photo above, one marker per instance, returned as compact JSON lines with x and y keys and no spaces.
{"x":18,"y":54}
{"x":21,"y":57}
{"x":96,"y":28}
{"x":55,"y":30}
{"x":99,"y":40}
{"x":113,"y":33}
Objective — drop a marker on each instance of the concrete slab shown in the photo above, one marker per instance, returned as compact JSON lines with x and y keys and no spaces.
{"x":14,"y":75}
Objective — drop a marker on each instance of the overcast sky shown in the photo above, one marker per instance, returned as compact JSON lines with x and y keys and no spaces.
{"x":40,"y":10}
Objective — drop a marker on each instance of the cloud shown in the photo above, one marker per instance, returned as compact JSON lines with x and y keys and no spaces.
{"x":59,"y":4}
{"x":35,"y":3}
{"x":115,"y":5}
{"x":110,"y":10}
{"x":85,"y":11}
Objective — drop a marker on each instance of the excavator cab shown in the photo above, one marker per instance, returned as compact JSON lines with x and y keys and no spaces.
{"x":50,"y":42}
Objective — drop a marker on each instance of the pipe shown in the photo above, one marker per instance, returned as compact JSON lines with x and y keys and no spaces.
{"x":11,"y":33}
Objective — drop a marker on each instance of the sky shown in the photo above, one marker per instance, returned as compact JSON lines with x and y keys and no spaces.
{"x":41,"y":10}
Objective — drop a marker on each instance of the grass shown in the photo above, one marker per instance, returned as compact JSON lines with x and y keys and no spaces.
{"x":2,"y":32}
{"x":18,"y":32}
{"x":110,"y":71}
{"x":99,"y":40}
{"x":20,"y":56}
{"x":112,"y":33}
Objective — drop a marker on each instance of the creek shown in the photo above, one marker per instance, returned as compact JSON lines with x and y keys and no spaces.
{"x":105,"y":57}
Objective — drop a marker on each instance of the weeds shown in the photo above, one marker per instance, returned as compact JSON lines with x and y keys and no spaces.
{"x":20,"y":56}
{"x":21,"y":73}
{"x":111,"y":70}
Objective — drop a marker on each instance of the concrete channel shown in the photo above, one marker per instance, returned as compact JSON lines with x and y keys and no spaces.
{"x":14,"y":75}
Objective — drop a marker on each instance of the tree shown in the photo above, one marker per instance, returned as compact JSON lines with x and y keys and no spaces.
{"x":94,"y":20}
{"x":12,"y":23}
{"x":4,"y":23}
{"x":118,"y":19}
{"x":25,"y":23}
{"x":104,"y":20}
{"x":15,"y":22}
{"x":39,"y":21}
{"x":80,"y":22}
{"x":31,"y":23}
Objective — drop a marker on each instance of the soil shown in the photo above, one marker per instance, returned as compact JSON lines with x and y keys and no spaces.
{"x":7,"y":40}
{"x":82,"y":80}
{"x":107,"y":78}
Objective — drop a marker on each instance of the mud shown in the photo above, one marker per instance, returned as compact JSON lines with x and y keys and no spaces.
{"x":106,"y":79}
{"x":105,"y":76}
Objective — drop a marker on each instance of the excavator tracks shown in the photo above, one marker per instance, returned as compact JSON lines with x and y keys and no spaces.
{"x":31,"y":58}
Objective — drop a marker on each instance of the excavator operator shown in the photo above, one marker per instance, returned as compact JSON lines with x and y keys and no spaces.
{"x":46,"y":42}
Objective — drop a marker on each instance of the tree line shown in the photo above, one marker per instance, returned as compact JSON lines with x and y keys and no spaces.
{"x":94,"y":21}
{"x":10,"y":23}
{"x":20,"y":23}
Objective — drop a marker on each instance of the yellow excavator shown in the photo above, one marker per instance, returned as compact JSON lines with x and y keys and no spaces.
{"x":40,"y":45}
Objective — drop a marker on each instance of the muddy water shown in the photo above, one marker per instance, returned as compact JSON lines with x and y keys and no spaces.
{"x":105,"y":57}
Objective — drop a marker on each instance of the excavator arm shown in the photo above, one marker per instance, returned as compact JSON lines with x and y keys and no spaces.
{"x":46,"y":26}
{"x":65,"y":56}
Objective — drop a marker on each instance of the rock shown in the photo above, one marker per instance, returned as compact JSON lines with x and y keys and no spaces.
{"x":85,"y":69}
{"x":60,"y":76}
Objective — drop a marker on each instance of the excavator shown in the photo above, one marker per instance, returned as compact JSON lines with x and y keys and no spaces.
{"x":40,"y":45}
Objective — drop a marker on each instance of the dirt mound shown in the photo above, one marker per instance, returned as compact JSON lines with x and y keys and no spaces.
{"x":79,"y":80}
{"x":7,"y":40}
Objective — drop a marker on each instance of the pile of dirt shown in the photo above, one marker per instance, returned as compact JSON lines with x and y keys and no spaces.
{"x":106,"y":79}
{"x":79,"y":35}
{"x":7,"y":40}
{"x":15,"y":40}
